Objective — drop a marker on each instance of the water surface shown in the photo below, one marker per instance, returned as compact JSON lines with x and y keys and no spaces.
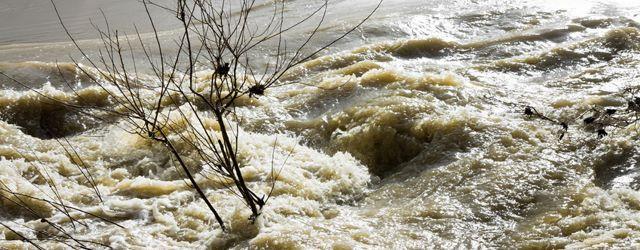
{"x":415,"y":139}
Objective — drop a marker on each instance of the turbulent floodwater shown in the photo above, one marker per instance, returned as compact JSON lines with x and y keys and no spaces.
{"x":416,"y":138}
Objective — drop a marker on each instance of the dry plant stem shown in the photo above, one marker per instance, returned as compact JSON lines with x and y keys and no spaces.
{"x":239,"y":180}
{"x":194,"y":184}
{"x":21,"y":236}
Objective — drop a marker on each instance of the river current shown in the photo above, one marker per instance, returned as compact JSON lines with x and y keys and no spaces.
{"x":407,"y":134}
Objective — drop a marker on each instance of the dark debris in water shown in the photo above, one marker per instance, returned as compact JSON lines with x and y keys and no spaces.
{"x":602,"y":133}
{"x":589,"y":120}
{"x":601,"y":120}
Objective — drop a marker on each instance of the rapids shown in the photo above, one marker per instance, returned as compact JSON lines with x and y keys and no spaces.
{"x":408,"y":134}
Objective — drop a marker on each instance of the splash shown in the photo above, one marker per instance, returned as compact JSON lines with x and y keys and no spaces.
{"x":415,"y":138}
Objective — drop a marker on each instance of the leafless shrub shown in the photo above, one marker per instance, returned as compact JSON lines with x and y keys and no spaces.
{"x":173,"y":108}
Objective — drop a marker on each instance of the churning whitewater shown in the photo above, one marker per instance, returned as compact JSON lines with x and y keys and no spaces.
{"x":408,"y":134}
